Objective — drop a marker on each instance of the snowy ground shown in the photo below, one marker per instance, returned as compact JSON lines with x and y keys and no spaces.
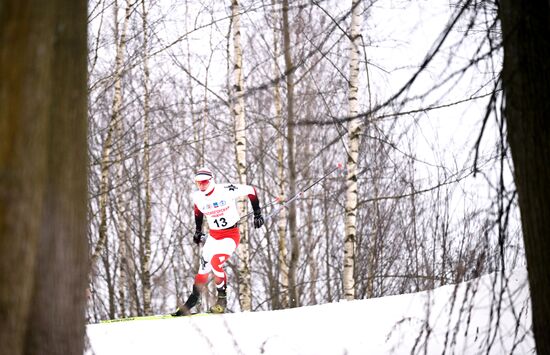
{"x":442,"y":321}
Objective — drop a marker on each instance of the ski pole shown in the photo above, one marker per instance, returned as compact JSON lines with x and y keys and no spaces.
{"x":277,"y":200}
{"x":300,"y":193}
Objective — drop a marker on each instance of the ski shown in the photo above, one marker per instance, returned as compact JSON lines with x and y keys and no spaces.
{"x":153,"y":317}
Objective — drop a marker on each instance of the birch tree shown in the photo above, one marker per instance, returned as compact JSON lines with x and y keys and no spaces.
{"x":245,"y":293}
{"x":107,"y":148}
{"x":121,"y":205}
{"x":198,"y":132}
{"x":294,"y":241}
{"x":123,"y":255}
{"x":354,"y":131}
{"x":282,"y":297}
{"x":145,"y":243}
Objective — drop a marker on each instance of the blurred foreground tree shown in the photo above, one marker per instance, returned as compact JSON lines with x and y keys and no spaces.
{"x":526,"y":82}
{"x":43,"y":164}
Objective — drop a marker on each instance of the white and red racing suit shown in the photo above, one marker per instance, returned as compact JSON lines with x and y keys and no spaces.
{"x":220,"y":208}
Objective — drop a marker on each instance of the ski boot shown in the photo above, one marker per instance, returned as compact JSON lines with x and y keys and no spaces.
{"x":221,"y":303}
{"x":185,"y":309}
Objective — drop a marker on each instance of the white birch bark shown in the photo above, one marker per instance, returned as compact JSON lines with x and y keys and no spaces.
{"x":122,"y":273}
{"x":281,"y":185}
{"x":108,"y":143}
{"x":199,"y":128}
{"x":245,"y":295}
{"x":145,"y":242}
{"x":295,"y":245}
{"x":354,"y":130}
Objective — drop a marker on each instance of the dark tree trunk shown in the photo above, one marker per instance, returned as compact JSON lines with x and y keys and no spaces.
{"x":25,"y":57}
{"x":43,"y":163}
{"x":526,"y":81}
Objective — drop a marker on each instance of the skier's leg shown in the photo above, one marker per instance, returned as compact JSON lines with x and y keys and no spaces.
{"x":198,"y":287}
{"x":226,"y":248}
{"x":220,"y":277}
{"x":201,"y":279}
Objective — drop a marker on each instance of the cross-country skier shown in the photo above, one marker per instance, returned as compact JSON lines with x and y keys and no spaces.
{"x":218,"y":203}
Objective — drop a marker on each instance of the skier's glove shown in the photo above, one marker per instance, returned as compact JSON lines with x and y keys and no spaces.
{"x":198,"y":237}
{"x":258,"y":219}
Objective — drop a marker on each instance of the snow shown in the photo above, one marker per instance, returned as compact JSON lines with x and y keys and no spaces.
{"x":459,"y":319}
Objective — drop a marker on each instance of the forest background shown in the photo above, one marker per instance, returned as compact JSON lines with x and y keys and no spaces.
{"x":177,"y":85}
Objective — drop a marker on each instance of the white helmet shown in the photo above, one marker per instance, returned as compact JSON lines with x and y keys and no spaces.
{"x":205,"y":180}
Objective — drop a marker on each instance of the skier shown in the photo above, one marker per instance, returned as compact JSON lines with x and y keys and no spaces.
{"x":218,"y":203}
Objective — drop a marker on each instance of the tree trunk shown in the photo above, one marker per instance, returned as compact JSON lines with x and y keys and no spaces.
{"x":145,"y":243}
{"x":26,"y":51}
{"x":108,"y":143}
{"x":245,"y":296}
{"x":376,"y":235}
{"x":526,"y":82}
{"x":43,"y":164}
{"x":295,"y":244}
{"x":354,"y":131}
{"x":282,"y":297}
{"x":122,"y":208}
{"x":328,"y":244}
{"x":312,"y":258}
{"x":123,"y":264}
{"x":199,"y":129}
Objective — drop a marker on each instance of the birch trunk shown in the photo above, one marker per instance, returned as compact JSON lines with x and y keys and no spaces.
{"x":122,"y":269}
{"x":373,"y":252}
{"x":198,"y":132}
{"x":196,"y":121}
{"x":122,"y":209}
{"x":328,"y":243}
{"x":145,"y":243}
{"x":108,"y":143}
{"x":354,"y":130}
{"x":245,"y":294}
{"x":282,"y":297}
{"x":312,"y":259}
{"x":295,"y":245}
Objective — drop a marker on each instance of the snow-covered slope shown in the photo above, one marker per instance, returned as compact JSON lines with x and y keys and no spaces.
{"x":463,"y":319}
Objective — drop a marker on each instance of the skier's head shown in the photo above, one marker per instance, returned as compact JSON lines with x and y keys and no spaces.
{"x":204,"y":180}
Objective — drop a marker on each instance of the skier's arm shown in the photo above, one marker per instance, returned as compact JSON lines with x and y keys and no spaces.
{"x":199,"y":217}
{"x":255,"y":201}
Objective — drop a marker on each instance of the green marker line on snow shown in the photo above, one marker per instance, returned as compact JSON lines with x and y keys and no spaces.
{"x":158,"y":316}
